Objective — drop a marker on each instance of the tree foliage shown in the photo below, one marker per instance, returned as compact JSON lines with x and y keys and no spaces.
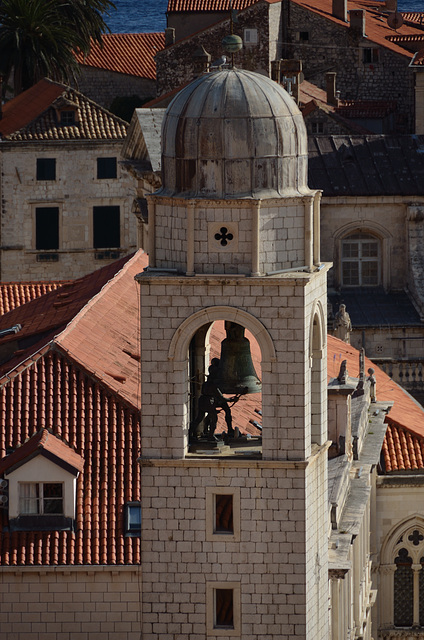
{"x":38,"y":38}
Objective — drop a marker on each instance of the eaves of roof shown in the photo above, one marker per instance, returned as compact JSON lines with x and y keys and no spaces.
{"x":32,"y":116}
{"x":15,"y":294}
{"x":197,"y":6}
{"x":43,"y":443}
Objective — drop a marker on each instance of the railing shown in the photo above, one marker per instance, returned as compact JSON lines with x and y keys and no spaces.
{"x":408,"y":373}
{"x":405,"y":634}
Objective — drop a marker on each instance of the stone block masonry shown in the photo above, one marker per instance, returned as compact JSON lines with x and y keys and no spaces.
{"x":70,"y":603}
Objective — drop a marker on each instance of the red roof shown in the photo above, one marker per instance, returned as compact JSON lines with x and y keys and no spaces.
{"x":80,"y":383}
{"x":129,"y":53}
{"x":402,"y":450}
{"x":208,"y":5}
{"x":38,"y":443}
{"x":32,"y":116}
{"x":376,"y":28}
{"x":14,"y":294}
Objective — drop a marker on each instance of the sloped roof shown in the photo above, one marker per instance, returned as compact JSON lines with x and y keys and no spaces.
{"x":376,"y":29}
{"x":143,"y":142}
{"x":32,"y":116}
{"x":402,"y":450}
{"x":43,"y":442}
{"x":406,"y":412}
{"x":129,"y":53}
{"x":367,"y":165}
{"x":192,"y":6}
{"x":80,"y":384}
{"x":14,"y":294}
{"x":83,"y":318}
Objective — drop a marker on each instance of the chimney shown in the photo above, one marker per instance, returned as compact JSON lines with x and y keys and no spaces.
{"x":340,"y":9}
{"x":391,"y":5}
{"x":169,"y":36}
{"x":332,"y":97}
{"x":357,"y":21}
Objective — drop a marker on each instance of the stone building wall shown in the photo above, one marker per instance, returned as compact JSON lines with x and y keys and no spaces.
{"x":174,"y":65}
{"x":332,"y":47}
{"x":75,"y":191}
{"x":59,"y":603}
{"x":102,"y":85}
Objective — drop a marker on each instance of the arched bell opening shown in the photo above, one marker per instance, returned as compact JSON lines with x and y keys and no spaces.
{"x":318,"y":378}
{"x":225,"y":387}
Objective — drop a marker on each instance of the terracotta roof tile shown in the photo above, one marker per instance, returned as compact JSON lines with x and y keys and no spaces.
{"x":175,"y":6}
{"x":414,"y":17}
{"x":14,"y":294}
{"x":129,"y":53}
{"x":406,"y":412}
{"x":64,"y":388}
{"x":33,"y":116}
{"x":38,"y":443}
{"x":377,"y":29}
{"x":366,"y":108}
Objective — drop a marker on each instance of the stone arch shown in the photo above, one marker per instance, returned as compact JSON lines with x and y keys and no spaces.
{"x":317,"y":343}
{"x":181,"y":339}
{"x":402,"y":551}
{"x":391,"y":541}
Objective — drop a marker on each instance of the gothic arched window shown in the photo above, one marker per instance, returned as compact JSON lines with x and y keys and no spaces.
{"x":361,"y":260}
{"x":408,"y":578}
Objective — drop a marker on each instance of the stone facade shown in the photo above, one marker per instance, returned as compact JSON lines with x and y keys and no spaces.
{"x":175,"y":65}
{"x":58,"y":603}
{"x":75,"y":190}
{"x":389,"y":78}
{"x":103,"y":86}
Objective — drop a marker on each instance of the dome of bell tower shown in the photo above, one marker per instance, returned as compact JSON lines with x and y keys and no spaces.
{"x":233,"y":134}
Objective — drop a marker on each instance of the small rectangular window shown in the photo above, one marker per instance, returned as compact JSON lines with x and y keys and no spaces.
{"x":67,"y":117}
{"x":224,"y":609}
{"x":106,"y":227}
{"x":106,"y":168}
{"x":370,"y":55}
{"x":133,"y":519}
{"x":46,"y":168}
{"x":47,"y":228}
{"x":41,"y":498}
{"x":224,"y":514}
{"x":304,"y":36}
{"x":251,"y":36}
{"x":317,"y":127}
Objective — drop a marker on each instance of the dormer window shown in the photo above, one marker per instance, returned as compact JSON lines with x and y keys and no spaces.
{"x":67,"y":117}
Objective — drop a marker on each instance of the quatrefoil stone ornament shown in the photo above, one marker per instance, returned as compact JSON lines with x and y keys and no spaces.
{"x":224,"y":236}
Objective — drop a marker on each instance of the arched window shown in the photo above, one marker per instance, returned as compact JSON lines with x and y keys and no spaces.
{"x":403,"y":590}
{"x":361,"y":260}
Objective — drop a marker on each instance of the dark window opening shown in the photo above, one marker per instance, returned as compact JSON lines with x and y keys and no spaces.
{"x":46,"y":168}
{"x":370,"y":56}
{"x":224,"y":514}
{"x":106,"y":168}
{"x":67,"y":117}
{"x":303,"y":36}
{"x":403,"y":590}
{"x":106,"y":227}
{"x":47,"y":228}
{"x":224,"y":608}
{"x":133,"y":519}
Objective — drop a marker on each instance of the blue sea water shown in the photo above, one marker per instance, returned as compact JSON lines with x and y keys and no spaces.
{"x":134,"y":16}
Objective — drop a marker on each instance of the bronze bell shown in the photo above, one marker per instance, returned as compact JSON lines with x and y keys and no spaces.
{"x":236,"y":371}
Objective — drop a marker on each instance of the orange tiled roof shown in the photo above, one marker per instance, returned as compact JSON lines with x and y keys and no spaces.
{"x":129,"y":53}
{"x":209,"y":5}
{"x":32,"y":116}
{"x":403,"y":446}
{"x":376,"y":28}
{"x":43,"y":441}
{"x":366,"y":108}
{"x":415,"y":17}
{"x":80,"y":382}
{"x":14,"y":294}
{"x":418,"y":59}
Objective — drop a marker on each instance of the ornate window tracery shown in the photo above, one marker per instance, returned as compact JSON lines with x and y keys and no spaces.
{"x":408,"y":578}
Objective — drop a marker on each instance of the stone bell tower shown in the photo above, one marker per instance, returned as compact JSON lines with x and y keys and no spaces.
{"x":234,"y":236}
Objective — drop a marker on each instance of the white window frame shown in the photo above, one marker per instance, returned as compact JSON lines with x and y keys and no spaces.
{"x":360,"y":259}
{"x":38,"y":499}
